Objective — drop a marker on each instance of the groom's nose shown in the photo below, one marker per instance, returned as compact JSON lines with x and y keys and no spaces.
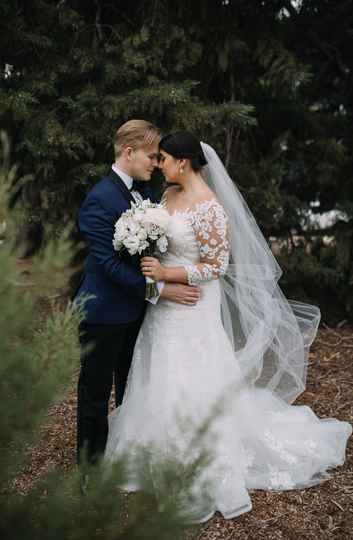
{"x":155,"y":162}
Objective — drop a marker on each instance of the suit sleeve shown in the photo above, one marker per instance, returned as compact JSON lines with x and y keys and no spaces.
{"x":97,"y":224}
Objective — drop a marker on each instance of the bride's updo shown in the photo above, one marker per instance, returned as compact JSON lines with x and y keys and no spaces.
{"x":183,"y":145}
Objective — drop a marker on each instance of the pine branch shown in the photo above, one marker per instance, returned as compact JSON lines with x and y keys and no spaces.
{"x":229,"y":143}
{"x":98,"y":26}
{"x":331,"y":53}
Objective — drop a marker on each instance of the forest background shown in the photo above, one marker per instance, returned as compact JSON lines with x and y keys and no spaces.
{"x":267,"y":83}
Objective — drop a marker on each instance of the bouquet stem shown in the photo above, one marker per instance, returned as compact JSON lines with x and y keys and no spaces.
{"x":151,"y":285}
{"x":151,"y":288}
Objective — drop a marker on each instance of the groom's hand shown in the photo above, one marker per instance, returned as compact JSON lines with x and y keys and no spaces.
{"x":181,"y":294}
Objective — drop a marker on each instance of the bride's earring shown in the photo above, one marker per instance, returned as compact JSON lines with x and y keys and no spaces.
{"x":181,"y":170}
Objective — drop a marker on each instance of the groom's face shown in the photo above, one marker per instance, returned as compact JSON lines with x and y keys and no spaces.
{"x":143,"y":161}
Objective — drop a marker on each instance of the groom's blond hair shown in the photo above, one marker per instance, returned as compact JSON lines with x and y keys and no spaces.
{"x":137,"y":134}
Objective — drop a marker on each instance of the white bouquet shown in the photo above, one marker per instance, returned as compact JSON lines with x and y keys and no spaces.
{"x":143,"y":229}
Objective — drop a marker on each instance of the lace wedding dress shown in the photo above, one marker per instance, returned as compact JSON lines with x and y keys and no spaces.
{"x":185,"y":373}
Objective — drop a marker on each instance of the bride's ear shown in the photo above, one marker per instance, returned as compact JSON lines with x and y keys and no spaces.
{"x":182,"y":165}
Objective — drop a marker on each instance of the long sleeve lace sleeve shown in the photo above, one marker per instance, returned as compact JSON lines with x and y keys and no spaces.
{"x":210,"y":224}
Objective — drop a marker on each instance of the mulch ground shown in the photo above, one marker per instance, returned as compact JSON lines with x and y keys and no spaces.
{"x":323,"y":512}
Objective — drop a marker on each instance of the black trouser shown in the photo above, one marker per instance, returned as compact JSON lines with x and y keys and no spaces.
{"x":110,"y":358}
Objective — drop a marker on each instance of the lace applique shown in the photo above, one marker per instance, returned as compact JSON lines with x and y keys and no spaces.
{"x":280,"y":479}
{"x":278,"y":446}
{"x":210,"y":224}
{"x":194,"y":275}
{"x":312,"y":447}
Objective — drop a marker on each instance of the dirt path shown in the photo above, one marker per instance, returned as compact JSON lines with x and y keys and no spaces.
{"x":319,"y":512}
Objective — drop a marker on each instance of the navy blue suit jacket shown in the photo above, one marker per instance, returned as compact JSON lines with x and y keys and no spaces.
{"x":114,"y":279}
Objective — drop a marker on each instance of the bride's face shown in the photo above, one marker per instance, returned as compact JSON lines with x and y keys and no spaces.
{"x":170,"y":167}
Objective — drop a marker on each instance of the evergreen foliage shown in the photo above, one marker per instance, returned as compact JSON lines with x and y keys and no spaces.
{"x":269,"y":84}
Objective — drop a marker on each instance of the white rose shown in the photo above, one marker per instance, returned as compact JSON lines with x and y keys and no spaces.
{"x":120,"y":224}
{"x":117,"y":244}
{"x":156,"y":216}
{"x":120,"y":234}
{"x":154,"y":232}
{"x":162,"y":244}
{"x":142,"y":234}
{"x":132,"y":226}
{"x":132,"y":244}
{"x":139,"y":215}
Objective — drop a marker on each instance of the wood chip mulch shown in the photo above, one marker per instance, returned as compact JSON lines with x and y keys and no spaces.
{"x":321,"y":512}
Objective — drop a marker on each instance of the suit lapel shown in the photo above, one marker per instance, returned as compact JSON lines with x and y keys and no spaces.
{"x":121,"y":186}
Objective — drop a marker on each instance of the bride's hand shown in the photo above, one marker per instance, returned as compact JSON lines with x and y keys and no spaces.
{"x":152,"y":268}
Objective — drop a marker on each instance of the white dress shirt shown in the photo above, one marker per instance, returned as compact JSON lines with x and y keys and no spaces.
{"x":128,"y":181}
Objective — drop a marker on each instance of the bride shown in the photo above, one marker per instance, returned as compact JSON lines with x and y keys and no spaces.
{"x":241,"y":351}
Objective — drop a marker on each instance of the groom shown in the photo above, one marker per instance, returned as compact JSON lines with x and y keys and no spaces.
{"x":114,"y":313}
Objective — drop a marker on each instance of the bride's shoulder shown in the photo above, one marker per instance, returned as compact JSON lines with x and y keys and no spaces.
{"x":208,"y":202}
{"x":209,"y":212}
{"x":170,"y":192}
{"x":209,"y":215}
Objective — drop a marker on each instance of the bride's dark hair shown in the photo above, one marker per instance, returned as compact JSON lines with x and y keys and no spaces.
{"x":184,"y":145}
